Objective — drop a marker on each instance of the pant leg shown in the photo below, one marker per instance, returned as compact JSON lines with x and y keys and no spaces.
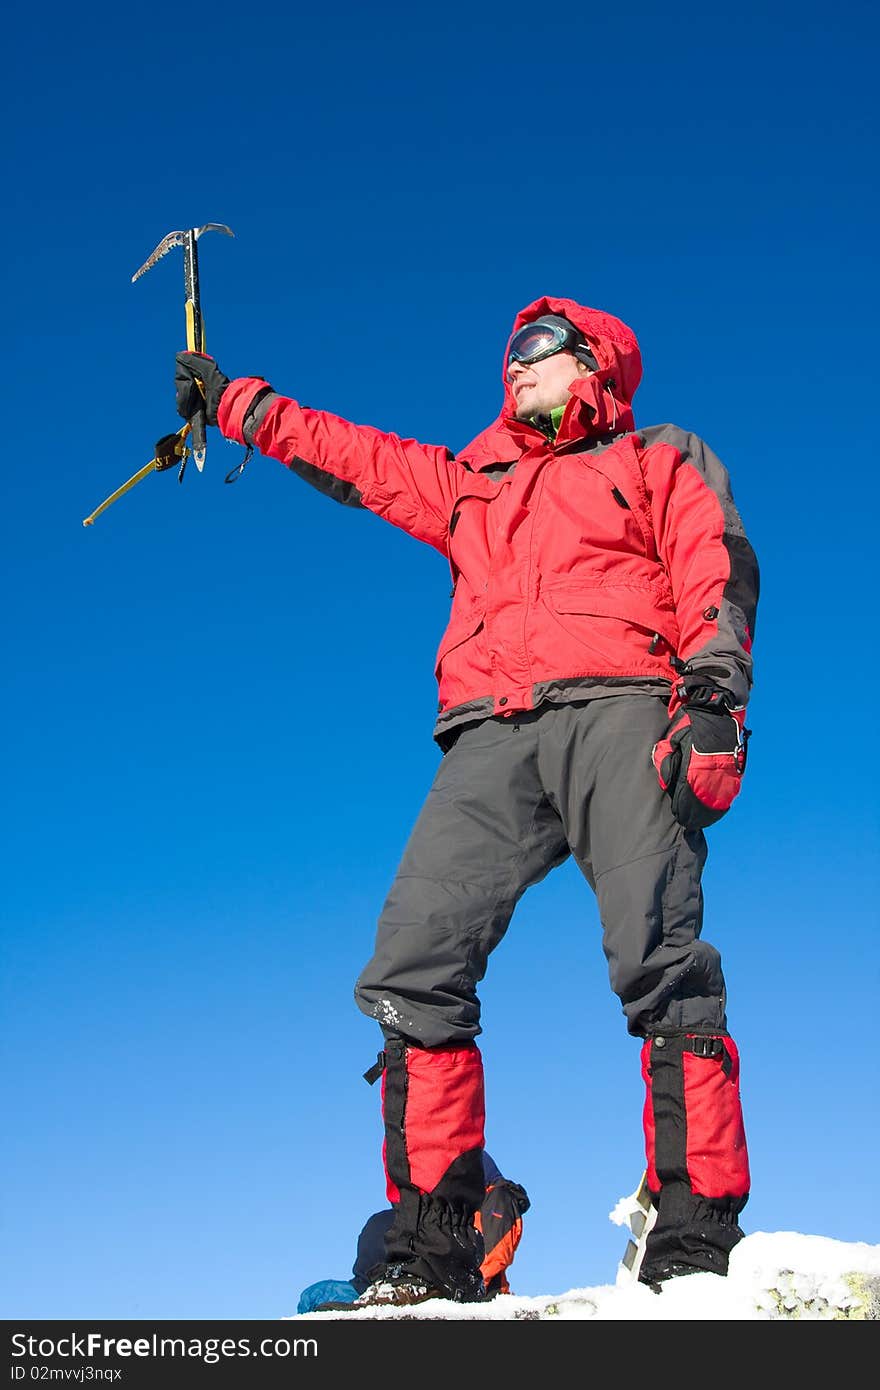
{"x":645,"y":869}
{"x":485,"y":833}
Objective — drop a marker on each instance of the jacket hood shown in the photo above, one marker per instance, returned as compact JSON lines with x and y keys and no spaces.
{"x":605,"y":395}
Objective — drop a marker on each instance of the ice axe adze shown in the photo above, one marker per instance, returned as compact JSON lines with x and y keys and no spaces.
{"x":172,"y":448}
{"x":195,"y":325}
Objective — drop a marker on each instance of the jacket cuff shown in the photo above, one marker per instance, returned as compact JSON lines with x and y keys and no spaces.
{"x":235,"y":404}
{"x":704,"y":692}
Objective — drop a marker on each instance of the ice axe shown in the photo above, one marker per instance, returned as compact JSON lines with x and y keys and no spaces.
{"x":172,"y":448}
{"x":195,"y":324}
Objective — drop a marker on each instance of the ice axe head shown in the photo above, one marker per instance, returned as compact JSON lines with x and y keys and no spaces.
{"x":178,"y":239}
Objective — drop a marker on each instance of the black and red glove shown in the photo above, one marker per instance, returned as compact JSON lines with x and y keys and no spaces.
{"x":701,"y":759}
{"x":199,"y":384}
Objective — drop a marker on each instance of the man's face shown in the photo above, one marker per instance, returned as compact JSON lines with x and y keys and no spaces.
{"x":542,"y":386}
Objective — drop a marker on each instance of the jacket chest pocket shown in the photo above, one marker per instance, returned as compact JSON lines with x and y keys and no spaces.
{"x":609,"y":494}
{"x":471,"y":524}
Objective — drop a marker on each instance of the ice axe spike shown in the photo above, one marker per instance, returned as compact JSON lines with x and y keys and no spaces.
{"x":195,"y":326}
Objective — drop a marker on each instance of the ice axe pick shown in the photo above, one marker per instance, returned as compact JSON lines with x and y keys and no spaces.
{"x":195,"y":325}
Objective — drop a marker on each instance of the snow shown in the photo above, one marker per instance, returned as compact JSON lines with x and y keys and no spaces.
{"x":772,"y":1276}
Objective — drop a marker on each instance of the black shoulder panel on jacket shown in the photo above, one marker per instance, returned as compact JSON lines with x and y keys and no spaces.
{"x":744,"y":585}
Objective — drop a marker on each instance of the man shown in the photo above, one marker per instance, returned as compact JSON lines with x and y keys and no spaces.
{"x":593,"y":681}
{"x":498,"y":1221}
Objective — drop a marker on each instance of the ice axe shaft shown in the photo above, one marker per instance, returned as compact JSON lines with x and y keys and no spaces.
{"x":195,"y":334}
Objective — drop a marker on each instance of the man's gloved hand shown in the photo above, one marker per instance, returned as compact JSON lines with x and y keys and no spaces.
{"x":701,"y":759}
{"x":194,"y":368}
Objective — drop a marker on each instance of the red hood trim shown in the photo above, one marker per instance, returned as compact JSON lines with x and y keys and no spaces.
{"x":599,"y":405}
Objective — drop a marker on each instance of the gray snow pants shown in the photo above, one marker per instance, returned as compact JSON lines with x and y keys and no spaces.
{"x":511,"y":800}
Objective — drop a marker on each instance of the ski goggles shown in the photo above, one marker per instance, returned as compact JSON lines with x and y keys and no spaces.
{"x":536,"y":341}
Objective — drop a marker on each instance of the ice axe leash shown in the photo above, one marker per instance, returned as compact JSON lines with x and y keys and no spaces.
{"x":172,"y":448}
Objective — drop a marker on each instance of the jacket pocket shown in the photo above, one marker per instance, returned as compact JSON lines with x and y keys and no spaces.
{"x":462,"y":626}
{"x":640,"y":607}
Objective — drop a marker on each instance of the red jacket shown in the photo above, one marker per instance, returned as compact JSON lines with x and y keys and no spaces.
{"x":604,"y":561}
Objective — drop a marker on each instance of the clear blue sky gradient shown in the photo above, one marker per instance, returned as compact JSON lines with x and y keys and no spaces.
{"x":219,"y":700}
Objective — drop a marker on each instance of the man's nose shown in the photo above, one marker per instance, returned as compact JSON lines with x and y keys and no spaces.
{"x":514,"y":369}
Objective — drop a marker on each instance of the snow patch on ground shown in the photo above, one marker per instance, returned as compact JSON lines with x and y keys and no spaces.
{"x":772,"y":1276}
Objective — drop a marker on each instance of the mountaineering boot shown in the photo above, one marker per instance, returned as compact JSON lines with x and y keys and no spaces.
{"x":697,"y":1160}
{"x":397,"y":1293}
{"x":434,"y":1112}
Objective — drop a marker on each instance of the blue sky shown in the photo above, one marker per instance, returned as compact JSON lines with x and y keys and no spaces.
{"x":219,"y":700}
